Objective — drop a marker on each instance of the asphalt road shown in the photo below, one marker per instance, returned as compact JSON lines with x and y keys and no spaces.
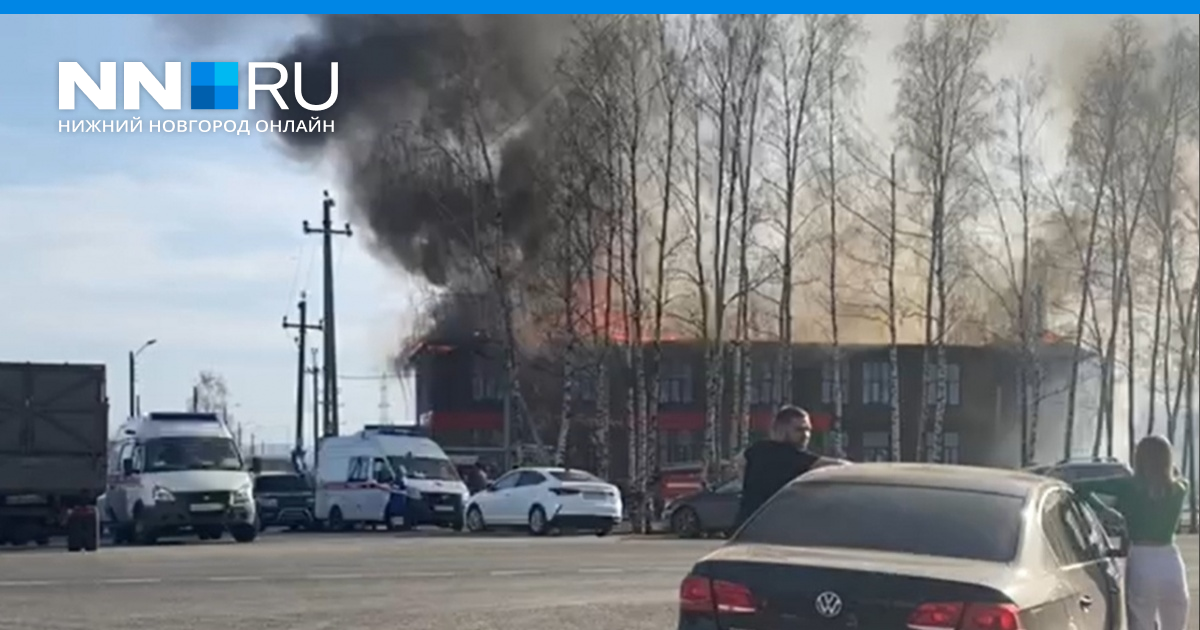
{"x":370,"y":580}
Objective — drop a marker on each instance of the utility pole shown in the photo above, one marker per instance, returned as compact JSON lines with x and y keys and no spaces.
{"x":315,"y":371}
{"x":303,"y":327}
{"x":329,"y":326}
{"x":135,"y":407}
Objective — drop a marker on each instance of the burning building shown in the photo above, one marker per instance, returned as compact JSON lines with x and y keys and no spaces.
{"x":461,"y":400}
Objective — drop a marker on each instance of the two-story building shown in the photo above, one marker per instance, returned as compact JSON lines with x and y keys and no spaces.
{"x":461,"y":399}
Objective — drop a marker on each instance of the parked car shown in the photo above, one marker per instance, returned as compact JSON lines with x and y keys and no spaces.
{"x":542,"y":500}
{"x":890,"y":545}
{"x":1072,"y":470}
{"x":284,"y":500}
{"x":707,"y":511}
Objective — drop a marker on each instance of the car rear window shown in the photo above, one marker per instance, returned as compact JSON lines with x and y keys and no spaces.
{"x":904,"y":519}
{"x":573,"y":475}
{"x":280,"y":483}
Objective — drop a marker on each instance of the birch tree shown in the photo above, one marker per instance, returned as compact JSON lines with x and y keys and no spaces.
{"x":1105,"y":109}
{"x":1008,"y":266}
{"x":795,"y":53}
{"x":839,"y":78}
{"x":944,"y":115}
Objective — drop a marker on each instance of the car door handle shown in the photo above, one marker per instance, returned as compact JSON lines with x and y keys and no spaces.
{"x":1085,"y":602}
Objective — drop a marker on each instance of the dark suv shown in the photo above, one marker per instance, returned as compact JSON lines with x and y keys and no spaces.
{"x":284,"y":500}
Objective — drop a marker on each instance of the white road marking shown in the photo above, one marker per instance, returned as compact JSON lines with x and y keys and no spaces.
{"x":236,"y":578}
{"x":514,"y":572}
{"x":429,"y":574}
{"x":28,"y":583}
{"x":131,"y":581}
{"x":601,"y":570}
{"x":336,"y":576}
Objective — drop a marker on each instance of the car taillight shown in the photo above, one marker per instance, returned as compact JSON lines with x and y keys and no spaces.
{"x":702,"y":595}
{"x":564,"y":491}
{"x":960,"y":616}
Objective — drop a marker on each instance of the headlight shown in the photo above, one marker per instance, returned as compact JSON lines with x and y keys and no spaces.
{"x":243,"y":495}
{"x":268,"y":502}
{"x":162,"y":495}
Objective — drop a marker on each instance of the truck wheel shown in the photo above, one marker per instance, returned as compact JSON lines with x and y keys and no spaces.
{"x":336,"y":522}
{"x":143,"y":534}
{"x":244,"y":533}
{"x":74,"y":540}
{"x":91,"y":537}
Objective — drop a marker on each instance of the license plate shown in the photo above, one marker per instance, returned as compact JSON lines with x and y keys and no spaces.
{"x":443,"y":508}
{"x":397,"y":521}
{"x":595,"y":496}
{"x":207,"y":507}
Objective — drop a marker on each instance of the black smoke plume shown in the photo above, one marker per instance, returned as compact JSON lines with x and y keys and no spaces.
{"x":414,"y":93}
{"x":411,"y":91}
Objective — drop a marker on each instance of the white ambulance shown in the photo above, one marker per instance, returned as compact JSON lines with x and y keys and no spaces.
{"x":172,"y":473}
{"x":387,"y":475}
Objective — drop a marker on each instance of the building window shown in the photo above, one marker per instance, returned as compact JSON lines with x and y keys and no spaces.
{"x":876,"y":446}
{"x":953,"y":385}
{"x":950,"y":448}
{"x":764,"y":387}
{"x":827,"y":384}
{"x":682,"y":447}
{"x":470,"y":438}
{"x":877,"y":383}
{"x":484,"y":383}
{"x":675,"y":383}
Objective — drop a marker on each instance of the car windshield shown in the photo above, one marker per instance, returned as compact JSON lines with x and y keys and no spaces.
{"x":425,"y":468}
{"x":281,"y":483}
{"x":573,"y":475}
{"x":904,"y":519}
{"x":190,"y":453}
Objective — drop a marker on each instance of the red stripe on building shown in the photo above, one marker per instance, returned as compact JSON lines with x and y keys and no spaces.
{"x":760,"y":420}
{"x":463,"y":420}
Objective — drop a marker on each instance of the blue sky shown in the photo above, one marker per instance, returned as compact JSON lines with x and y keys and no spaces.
{"x":191,"y":238}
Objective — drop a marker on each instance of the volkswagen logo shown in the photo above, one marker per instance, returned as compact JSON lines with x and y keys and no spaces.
{"x":829,"y":604}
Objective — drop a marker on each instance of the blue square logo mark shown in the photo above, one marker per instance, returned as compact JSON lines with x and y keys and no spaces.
{"x":214,"y":85}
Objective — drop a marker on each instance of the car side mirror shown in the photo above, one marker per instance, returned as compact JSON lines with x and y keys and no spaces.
{"x":127,"y":467}
{"x":490,"y":487}
{"x":256,"y":465}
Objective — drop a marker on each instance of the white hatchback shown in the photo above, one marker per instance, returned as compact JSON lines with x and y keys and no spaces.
{"x":546,"y":499}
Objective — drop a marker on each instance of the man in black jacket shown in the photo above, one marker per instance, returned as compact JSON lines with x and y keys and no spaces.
{"x":770,"y":464}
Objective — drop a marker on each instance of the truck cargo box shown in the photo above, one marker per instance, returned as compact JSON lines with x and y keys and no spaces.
{"x":53,"y":429}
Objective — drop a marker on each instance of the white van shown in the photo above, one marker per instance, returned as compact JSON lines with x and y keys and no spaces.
{"x":389,"y":475}
{"x":175,"y":473}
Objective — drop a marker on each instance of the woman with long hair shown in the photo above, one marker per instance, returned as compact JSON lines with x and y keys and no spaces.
{"x":1151,"y":501}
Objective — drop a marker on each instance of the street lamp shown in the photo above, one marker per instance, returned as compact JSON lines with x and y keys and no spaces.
{"x":133,"y":355}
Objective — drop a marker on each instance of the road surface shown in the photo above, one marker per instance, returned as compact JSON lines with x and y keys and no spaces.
{"x":381,"y":580}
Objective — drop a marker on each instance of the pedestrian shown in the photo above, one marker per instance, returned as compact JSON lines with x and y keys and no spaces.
{"x":770,"y":464}
{"x":476,"y":479}
{"x":1156,"y":585}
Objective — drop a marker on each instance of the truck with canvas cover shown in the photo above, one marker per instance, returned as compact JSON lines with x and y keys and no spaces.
{"x":53,"y":447}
